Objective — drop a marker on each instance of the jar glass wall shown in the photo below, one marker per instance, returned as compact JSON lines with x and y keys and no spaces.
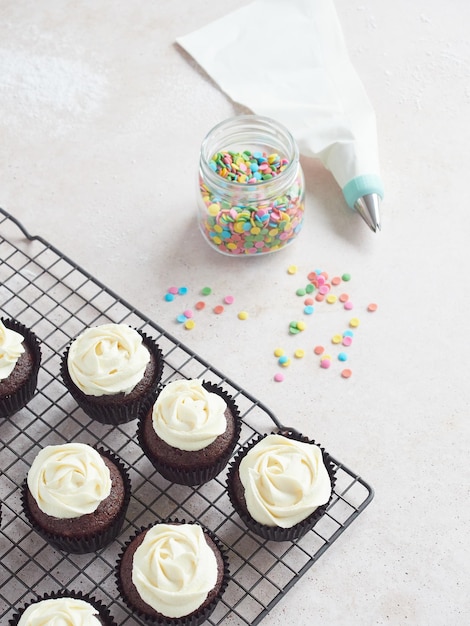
{"x":251,"y":187}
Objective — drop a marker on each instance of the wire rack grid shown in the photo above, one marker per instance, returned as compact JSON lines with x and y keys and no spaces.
{"x":46,"y":291}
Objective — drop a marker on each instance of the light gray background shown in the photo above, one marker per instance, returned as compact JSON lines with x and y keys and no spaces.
{"x":101,"y":120}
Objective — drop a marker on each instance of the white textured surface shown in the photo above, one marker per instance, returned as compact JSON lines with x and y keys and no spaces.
{"x":101,"y":122}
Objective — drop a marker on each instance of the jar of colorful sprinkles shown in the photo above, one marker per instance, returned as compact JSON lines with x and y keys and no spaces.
{"x":251,"y":186}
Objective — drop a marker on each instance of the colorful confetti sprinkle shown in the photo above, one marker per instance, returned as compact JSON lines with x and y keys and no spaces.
{"x":319,"y":289}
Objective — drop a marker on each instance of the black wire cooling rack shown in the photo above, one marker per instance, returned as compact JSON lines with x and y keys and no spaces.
{"x":52,"y":295}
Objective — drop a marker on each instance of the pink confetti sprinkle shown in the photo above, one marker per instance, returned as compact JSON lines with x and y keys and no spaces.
{"x":173,"y":290}
{"x":348,"y":305}
{"x":279,"y":377}
{"x":229,"y":299}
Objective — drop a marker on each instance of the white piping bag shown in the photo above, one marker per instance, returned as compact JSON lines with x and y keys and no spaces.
{"x":287,"y":59}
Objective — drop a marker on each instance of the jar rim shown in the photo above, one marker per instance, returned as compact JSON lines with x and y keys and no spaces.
{"x":246,"y":124}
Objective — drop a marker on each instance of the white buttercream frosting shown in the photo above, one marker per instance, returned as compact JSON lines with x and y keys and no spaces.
{"x":11,"y":348}
{"x":60,"y":612}
{"x":187,"y":416}
{"x":107,"y":359}
{"x":174,"y":569}
{"x":284,"y":481}
{"x":69,"y":480}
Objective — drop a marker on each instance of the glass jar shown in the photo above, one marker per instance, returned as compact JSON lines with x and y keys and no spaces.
{"x":251,"y":187}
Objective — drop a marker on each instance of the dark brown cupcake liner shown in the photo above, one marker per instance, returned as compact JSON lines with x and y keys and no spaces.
{"x":202,"y":475}
{"x":87,"y":543}
{"x":275,"y":533}
{"x":197,"y":617}
{"x":103,"y":613}
{"x":15,"y":401}
{"x":125,"y":410}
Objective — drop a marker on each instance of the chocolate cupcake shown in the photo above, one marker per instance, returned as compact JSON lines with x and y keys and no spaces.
{"x":192,"y":573}
{"x":70,"y":606}
{"x":190,"y":432}
{"x":281,"y":485}
{"x":20,"y":358}
{"x":76,"y":496}
{"x":112,"y":371}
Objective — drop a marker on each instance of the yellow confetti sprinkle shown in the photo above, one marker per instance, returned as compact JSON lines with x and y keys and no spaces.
{"x":354,"y":322}
{"x":189,"y":324}
{"x":337,"y":338}
{"x":299,"y":353}
{"x":278,"y":352}
{"x":243,"y":315}
{"x":292,"y":269}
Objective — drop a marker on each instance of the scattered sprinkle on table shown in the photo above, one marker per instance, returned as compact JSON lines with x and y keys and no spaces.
{"x":324,"y":292}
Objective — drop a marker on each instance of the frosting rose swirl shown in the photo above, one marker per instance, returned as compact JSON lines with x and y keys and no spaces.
{"x":174,"y":569}
{"x":284,"y":480}
{"x":107,"y":359}
{"x":187,"y":416}
{"x":69,"y":480}
{"x":60,"y":611}
{"x":11,"y":348}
